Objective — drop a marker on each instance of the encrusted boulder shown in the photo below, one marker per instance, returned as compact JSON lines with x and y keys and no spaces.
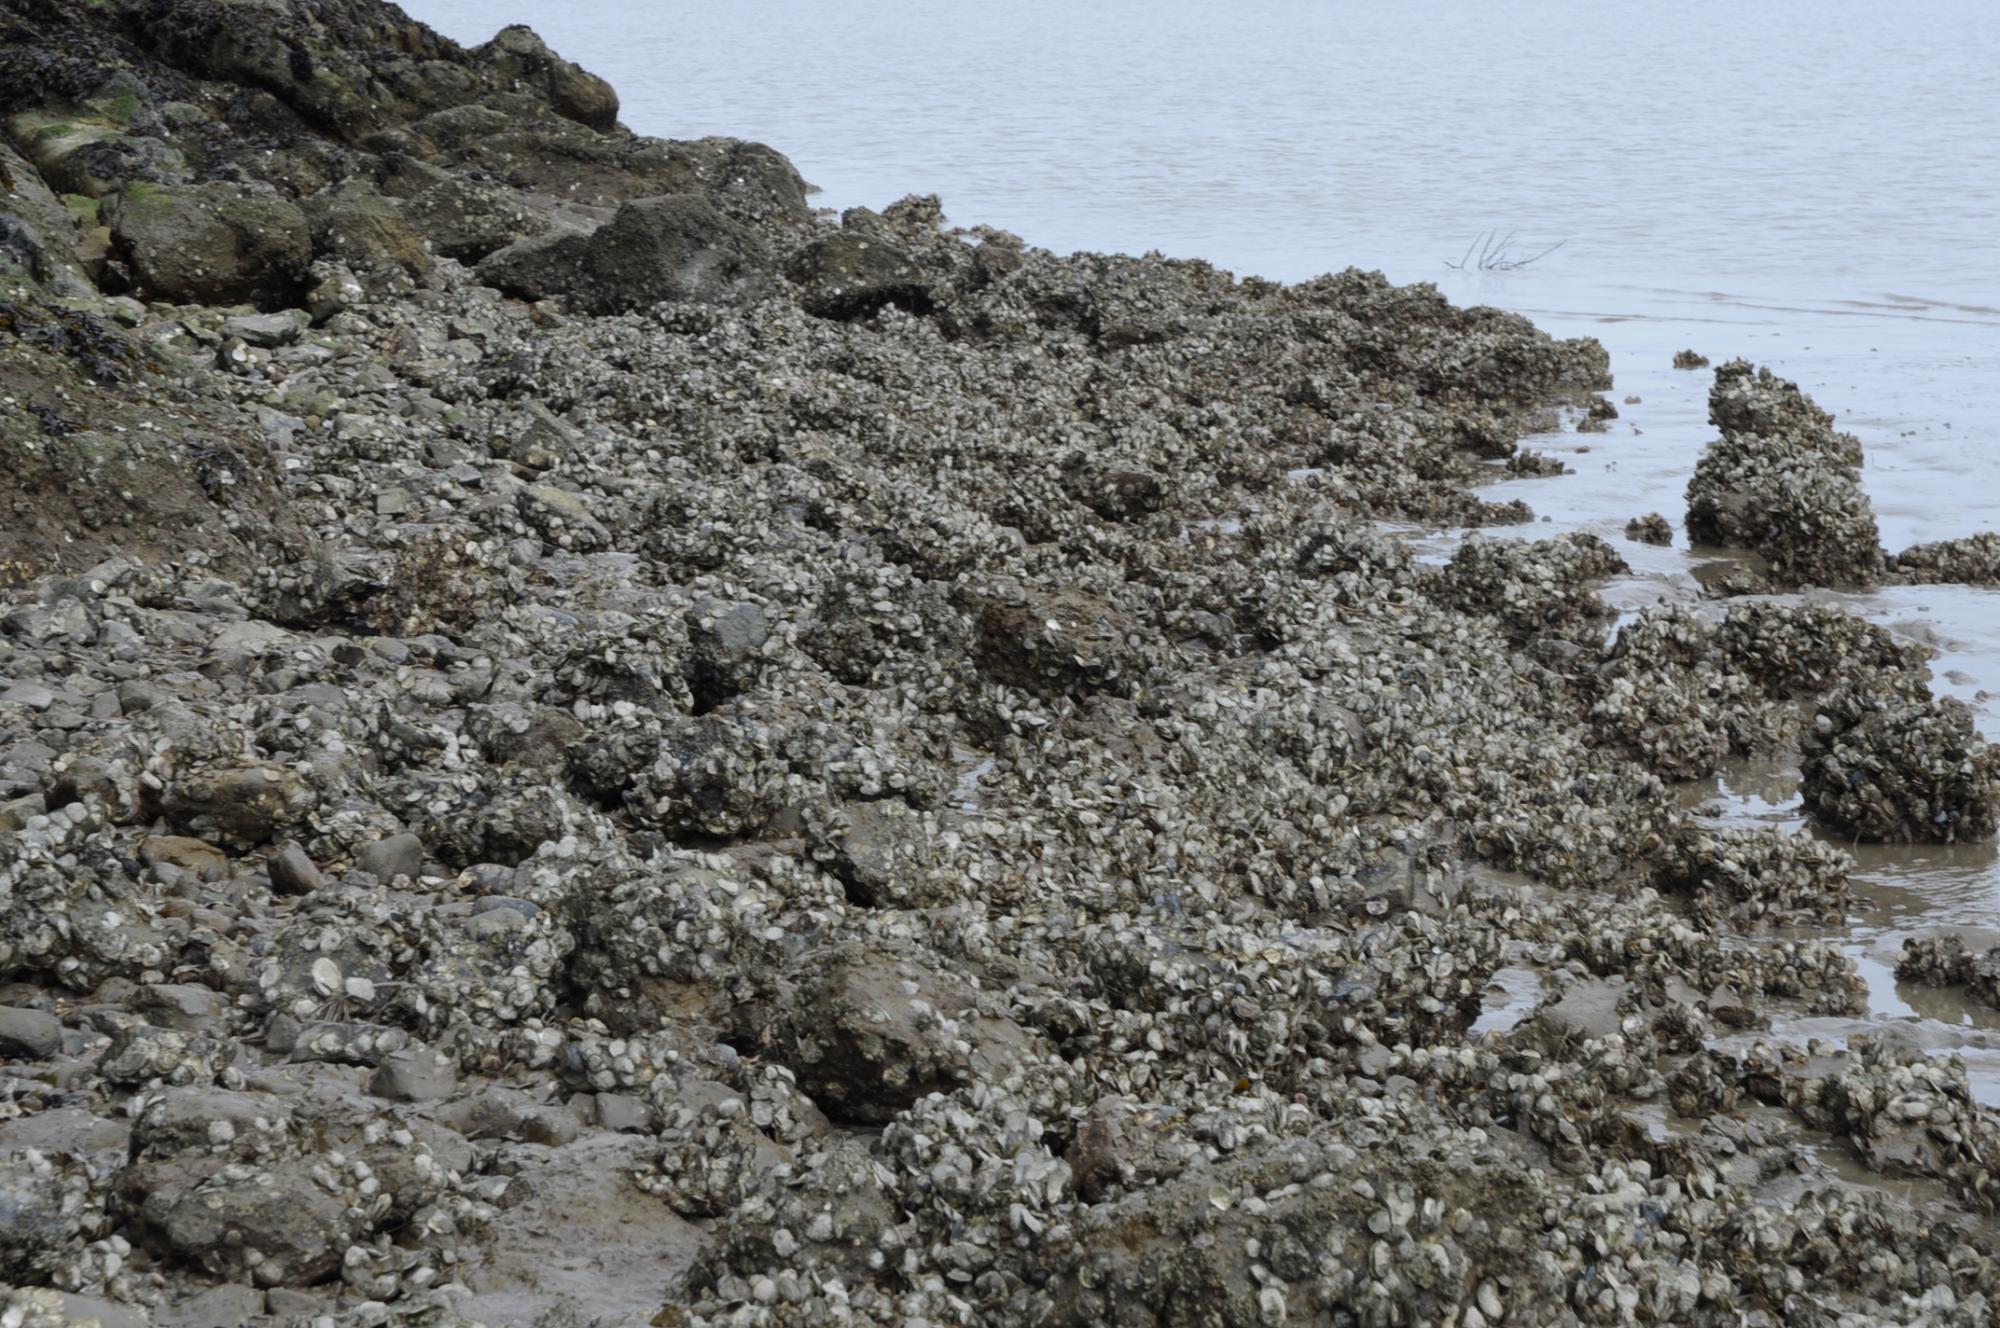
{"x":213,"y":244}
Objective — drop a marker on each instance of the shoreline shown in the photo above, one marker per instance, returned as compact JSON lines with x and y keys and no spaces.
{"x":576,"y":741}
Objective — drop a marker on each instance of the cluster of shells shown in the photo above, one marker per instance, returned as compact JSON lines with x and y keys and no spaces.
{"x":985,"y":798}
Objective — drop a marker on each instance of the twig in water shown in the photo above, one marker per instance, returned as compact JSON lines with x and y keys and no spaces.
{"x":1493,"y":252}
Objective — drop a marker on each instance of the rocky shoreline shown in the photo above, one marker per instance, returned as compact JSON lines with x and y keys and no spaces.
{"x":582,"y":743}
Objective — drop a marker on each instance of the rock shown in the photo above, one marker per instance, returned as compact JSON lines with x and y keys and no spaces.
{"x":224,"y":1306}
{"x":183,"y":1006}
{"x":268,"y":330}
{"x":28,"y":1035}
{"x":38,"y":235}
{"x":563,"y":518}
{"x":293,"y":872}
{"x":520,"y":58}
{"x":848,"y":276}
{"x":105,"y":1313}
{"x":622,"y":1114}
{"x":190,"y":855}
{"x":1783,"y":484}
{"x":501,"y":1113}
{"x":543,"y":439}
{"x":336,"y":291}
{"x":869,"y":1032}
{"x":1896,"y":769}
{"x":468,"y":220}
{"x":36,"y":1227}
{"x":15,"y":815}
{"x":212,"y":244}
{"x":29,"y":696}
{"x":1651,"y":528}
{"x":243,"y":805}
{"x":673,"y":247}
{"x":296,"y":1226}
{"x":538,"y":267}
{"x":387,"y":859}
{"x":354,"y":225}
{"x":579,"y":1243}
{"x":1584,"y":1011}
{"x":414,"y":1074}
{"x":1126,"y":1144}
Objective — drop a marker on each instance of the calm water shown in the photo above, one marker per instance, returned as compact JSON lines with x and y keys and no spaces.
{"x":1809,"y":183}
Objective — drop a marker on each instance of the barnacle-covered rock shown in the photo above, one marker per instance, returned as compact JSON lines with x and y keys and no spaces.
{"x":1546,"y":586}
{"x":1973,"y":561}
{"x":1884,"y":767}
{"x":1946,"y":961}
{"x":1783,"y":484}
{"x":1766,"y":876}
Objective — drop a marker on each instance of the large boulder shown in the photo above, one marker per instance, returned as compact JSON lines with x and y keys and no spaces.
{"x":213,"y":244}
{"x":676,"y":247}
{"x":523,"y":61}
{"x":38,"y":235}
{"x":848,"y":276}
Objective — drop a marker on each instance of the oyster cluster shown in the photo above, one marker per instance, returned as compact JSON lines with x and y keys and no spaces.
{"x":1782,"y":483}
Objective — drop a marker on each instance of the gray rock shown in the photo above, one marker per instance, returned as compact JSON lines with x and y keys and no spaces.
{"x":623,"y":1114}
{"x":268,"y":330}
{"x":468,"y":220}
{"x":223,"y":1306}
{"x":35,"y":1230}
{"x":14,"y":815}
{"x":293,"y":872}
{"x":670,"y":248}
{"x":505,"y":1113}
{"x":32,"y":695}
{"x":522,"y":59}
{"x":29,"y":1035}
{"x":183,"y":1005}
{"x":537,"y":267}
{"x":283,"y":1214}
{"x":398,"y":855}
{"x":848,"y":276}
{"x":414,"y":1074}
{"x":242,"y":805}
{"x":104,"y":1313}
{"x":364,"y":232}
{"x":1589,"y":1009}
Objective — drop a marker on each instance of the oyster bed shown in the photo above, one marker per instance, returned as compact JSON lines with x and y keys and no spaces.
{"x":579,"y":743}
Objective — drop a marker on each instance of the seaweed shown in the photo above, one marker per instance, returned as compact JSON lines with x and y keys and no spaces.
{"x":97,"y":347}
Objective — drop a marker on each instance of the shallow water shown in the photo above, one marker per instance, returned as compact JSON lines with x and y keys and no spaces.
{"x":1809,"y":185}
